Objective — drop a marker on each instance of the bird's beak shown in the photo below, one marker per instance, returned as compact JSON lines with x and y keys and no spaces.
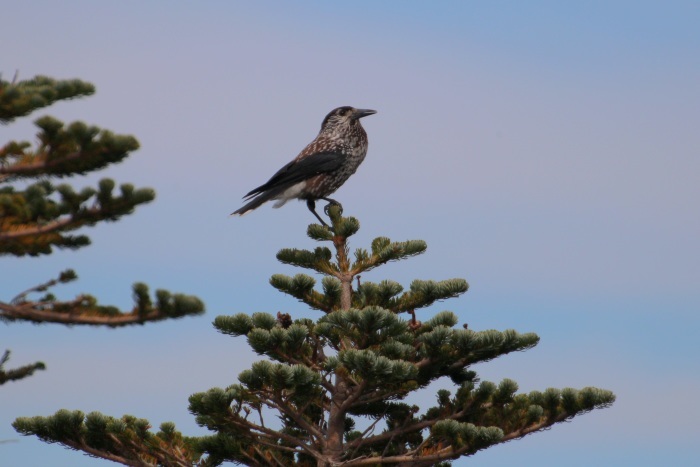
{"x":359,"y":113}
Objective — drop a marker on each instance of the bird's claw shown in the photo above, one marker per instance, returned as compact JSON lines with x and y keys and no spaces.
{"x":332,"y":203}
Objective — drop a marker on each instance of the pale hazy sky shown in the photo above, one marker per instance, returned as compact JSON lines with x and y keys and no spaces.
{"x":547,"y":152}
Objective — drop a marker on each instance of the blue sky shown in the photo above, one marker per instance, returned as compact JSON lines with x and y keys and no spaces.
{"x":547,"y":152}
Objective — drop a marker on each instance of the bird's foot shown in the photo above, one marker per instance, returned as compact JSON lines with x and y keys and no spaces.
{"x":334,"y":215}
{"x":332,"y":202}
{"x":311,"y":204}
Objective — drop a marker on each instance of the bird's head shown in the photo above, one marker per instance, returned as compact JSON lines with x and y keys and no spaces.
{"x":344,"y":116}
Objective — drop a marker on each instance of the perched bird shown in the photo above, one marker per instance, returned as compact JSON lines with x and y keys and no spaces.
{"x":321,"y":168}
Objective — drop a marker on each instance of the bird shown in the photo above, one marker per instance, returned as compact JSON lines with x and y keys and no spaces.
{"x":322,"y":167}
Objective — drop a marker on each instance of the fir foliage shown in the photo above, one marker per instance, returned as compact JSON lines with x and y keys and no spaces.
{"x":18,"y":99}
{"x":37,"y":214}
{"x":85,"y":309}
{"x":17,"y":373}
{"x":126,"y":440}
{"x":332,"y":391}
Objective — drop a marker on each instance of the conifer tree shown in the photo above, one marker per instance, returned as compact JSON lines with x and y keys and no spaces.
{"x":332,"y":391}
{"x":37,"y":215}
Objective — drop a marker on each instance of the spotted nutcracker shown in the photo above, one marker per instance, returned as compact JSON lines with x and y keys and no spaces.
{"x":321,"y":168}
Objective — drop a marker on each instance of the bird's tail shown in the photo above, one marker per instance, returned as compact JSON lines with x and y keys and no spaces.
{"x":256,"y":202}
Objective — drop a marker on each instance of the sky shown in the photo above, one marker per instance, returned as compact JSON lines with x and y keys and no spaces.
{"x":546,"y":151}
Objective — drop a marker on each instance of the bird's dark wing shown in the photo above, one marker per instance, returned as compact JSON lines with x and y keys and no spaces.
{"x":299,"y":170}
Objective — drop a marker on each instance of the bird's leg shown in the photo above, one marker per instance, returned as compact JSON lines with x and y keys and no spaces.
{"x":311,"y":204}
{"x":332,"y":202}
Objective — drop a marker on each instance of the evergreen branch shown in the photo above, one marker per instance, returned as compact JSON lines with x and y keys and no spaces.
{"x":126,"y":440}
{"x":605,"y":399}
{"x":383,"y":251}
{"x":425,"y":293}
{"x":298,"y":417}
{"x":381,"y":295}
{"x":274,"y":446}
{"x":278,"y":461}
{"x":447,"y":352}
{"x":38,"y":166}
{"x":368,"y":430}
{"x":301,"y":287}
{"x":259,"y":434}
{"x":84,"y":310}
{"x":80,"y":445}
{"x":64,"y":150}
{"x":387,"y":435}
{"x":318,"y":260}
{"x":99,"y":316}
{"x":268,"y":454}
{"x":319,"y":232}
{"x":343,"y":227}
{"x":487,"y":398}
{"x":66,"y":276}
{"x":305,"y":361}
{"x":559,"y":406}
{"x":18,"y":99}
{"x":220,"y":410}
{"x":415,"y":459}
{"x":36,"y":230}
{"x":31,"y":222}
{"x":17,"y":373}
{"x":379,"y":395}
{"x":295,"y":344}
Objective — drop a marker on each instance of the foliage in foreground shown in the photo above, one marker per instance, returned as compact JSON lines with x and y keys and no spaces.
{"x":332,"y":391}
{"x":37,"y":215}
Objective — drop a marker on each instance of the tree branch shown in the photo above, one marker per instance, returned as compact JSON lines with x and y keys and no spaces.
{"x":17,"y":373}
{"x":90,"y":317}
{"x":81,"y":446}
{"x":257,"y":431}
{"x":38,"y":167}
{"x":284,"y":407}
{"x":53,"y":226}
